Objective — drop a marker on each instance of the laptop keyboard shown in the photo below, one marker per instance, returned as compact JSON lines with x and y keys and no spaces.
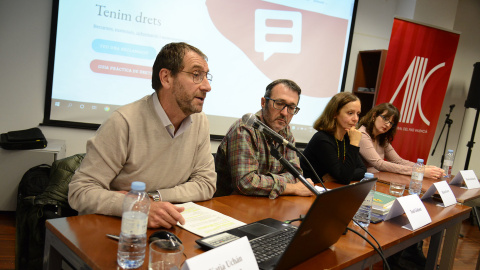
{"x":271,"y":245}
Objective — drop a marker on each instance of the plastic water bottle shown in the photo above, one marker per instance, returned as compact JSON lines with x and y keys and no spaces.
{"x":364,"y":213}
{"x":418,"y":171}
{"x":448,"y":163}
{"x":133,"y":235}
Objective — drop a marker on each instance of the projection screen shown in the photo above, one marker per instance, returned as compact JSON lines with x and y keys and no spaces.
{"x":102,"y":52}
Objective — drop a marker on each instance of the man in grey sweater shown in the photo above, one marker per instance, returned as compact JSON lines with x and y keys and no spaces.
{"x":162,"y":139}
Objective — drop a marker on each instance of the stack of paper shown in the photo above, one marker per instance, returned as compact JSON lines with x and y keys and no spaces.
{"x":381,"y":204}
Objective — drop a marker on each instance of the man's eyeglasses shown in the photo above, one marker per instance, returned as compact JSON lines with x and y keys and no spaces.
{"x":386,"y":121}
{"x":199,"y":75}
{"x":280,"y":105}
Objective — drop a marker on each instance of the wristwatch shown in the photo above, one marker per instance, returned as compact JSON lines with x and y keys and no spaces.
{"x":154,"y":195}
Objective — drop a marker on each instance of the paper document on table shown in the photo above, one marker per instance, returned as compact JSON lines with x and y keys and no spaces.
{"x":321,"y":189}
{"x":204,"y":221}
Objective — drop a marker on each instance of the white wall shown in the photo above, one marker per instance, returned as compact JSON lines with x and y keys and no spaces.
{"x":468,"y":53}
{"x":25,"y":32}
{"x":24,"y":44}
{"x":372,"y":31}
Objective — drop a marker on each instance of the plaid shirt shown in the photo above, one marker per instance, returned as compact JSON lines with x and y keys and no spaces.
{"x":244,"y":164}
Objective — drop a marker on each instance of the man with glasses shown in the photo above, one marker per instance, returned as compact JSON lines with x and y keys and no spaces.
{"x":243,"y":161}
{"x":162,"y":139}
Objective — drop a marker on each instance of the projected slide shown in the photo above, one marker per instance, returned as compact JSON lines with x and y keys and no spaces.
{"x":105,"y":50}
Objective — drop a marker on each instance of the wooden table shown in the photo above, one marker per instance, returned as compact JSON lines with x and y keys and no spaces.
{"x":462,"y":195}
{"x":80,"y":241}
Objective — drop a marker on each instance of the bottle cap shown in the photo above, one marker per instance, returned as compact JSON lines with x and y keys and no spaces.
{"x":450,"y":151}
{"x":368,"y":175}
{"x":138,"y":185}
{"x":420,"y":160}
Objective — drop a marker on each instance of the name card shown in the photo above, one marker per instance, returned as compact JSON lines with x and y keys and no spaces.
{"x":445,"y":192}
{"x":413,"y":207}
{"x":469,"y":177}
{"x":235,"y":255}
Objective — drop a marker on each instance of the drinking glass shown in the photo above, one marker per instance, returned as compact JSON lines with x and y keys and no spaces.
{"x":397,"y":189}
{"x":165,"y":255}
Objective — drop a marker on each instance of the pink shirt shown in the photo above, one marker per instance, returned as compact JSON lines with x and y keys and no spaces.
{"x":378,"y":158}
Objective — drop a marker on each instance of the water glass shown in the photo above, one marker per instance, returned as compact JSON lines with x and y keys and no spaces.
{"x":397,"y":189}
{"x":165,"y":255}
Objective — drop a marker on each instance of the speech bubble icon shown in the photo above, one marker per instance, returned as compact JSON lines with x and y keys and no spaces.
{"x":290,"y":36}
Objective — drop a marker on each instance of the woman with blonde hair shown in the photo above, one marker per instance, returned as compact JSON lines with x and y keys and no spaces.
{"x":333,"y":151}
{"x":378,"y":128}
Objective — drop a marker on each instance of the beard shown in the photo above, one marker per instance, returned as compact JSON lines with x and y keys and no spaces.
{"x":185,"y":100}
{"x":270,"y":120}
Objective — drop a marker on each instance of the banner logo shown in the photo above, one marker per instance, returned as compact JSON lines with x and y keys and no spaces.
{"x":416,"y":80}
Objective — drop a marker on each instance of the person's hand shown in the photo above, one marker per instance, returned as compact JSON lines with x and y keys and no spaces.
{"x":354,"y":135}
{"x":298,"y":189}
{"x":164,"y":214}
{"x":433,"y":172}
{"x":328,"y":178}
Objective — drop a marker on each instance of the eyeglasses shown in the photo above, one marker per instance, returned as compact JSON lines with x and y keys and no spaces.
{"x":388,"y":122}
{"x":280,"y":105}
{"x":199,"y":75}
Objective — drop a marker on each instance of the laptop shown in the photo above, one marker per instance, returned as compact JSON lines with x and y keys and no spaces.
{"x":325,"y":222}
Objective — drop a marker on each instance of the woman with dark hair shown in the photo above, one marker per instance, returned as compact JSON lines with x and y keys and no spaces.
{"x":378,"y":129}
{"x":333,"y":151}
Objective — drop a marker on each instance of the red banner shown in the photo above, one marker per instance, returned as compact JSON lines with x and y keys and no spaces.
{"x":415,"y":79}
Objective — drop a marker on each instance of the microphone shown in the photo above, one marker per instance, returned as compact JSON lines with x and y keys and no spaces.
{"x":251,"y":120}
{"x":294,"y":171}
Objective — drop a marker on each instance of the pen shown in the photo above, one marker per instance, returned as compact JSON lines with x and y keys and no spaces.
{"x":116,"y":237}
